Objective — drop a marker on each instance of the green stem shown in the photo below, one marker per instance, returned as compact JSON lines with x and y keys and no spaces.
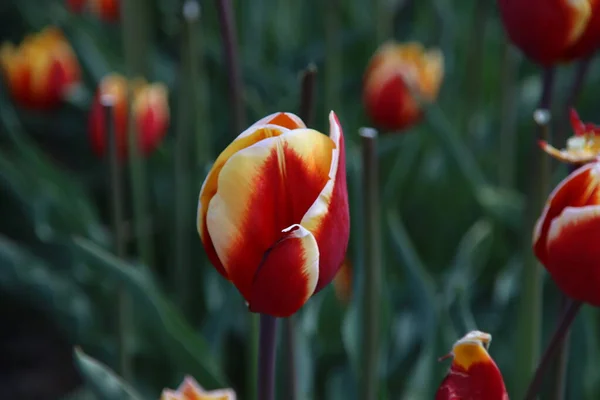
{"x":530,"y":308}
{"x":289,"y":355}
{"x":136,"y":45}
{"x":267,"y":357}
{"x":382,"y":21}
{"x":562,"y":359}
{"x":253,"y":352}
{"x":307,"y":94}
{"x":333,"y":57}
{"x":373,"y":271}
{"x":508,"y":131}
{"x":117,"y":210}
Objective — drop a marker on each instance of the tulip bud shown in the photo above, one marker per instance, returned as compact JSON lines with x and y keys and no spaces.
{"x":41,"y":70}
{"x":550,"y":31}
{"x":191,"y":390}
{"x":150,"y":110}
{"x":567,"y":234}
{"x":397,"y":78}
{"x":273,"y":212}
{"x":582,"y":148}
{"x":473,"y":374}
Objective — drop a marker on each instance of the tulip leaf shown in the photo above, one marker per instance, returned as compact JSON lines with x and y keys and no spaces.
{"x":505,"y":206}
{"x":188,"y":350}
{"x":103,"y":382}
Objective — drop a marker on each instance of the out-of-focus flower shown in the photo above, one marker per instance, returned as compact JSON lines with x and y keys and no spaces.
{"x":567,"y":234}
{"x":273,"y":212}
{"x":552,"y":31}
{"x":106,"y":10}
{"x":41,"y":70}
{"x":150,"y":109}
{"x":395,"y":74}
{"x":342,"y":283}
{"x":191,"y":390}
{"x":473,"y":374}
{"x":582,"y":148}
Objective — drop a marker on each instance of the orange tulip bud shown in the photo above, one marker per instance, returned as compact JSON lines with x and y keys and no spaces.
{"x":191,"y":390}
{"x":567,"y":234}
{"x":273,"y":212}
{"x":41,"y":70}
{"x":395,"y":74}
{"x":473,"y":374}
{"x":551,"y":31}
{"x":342,"y":283}
{"x":582,"y":148}
{"x":150,"y":109}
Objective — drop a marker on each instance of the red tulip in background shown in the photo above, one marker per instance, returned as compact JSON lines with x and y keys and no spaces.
{"x":582,"y":148}
{"x":567,"y":235}
{"x":273,"y":212}
{"x":41,"y":70}
{"x":191,"y":390}
{"x":106,"y":10}
{"x":394,"y":74}
{"x":150,"y":108}
{"x":473,"y":374}
{"x":552,"y":31}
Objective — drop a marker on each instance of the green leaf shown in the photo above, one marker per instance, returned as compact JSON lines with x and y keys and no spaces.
{"x":187,"y":349}
{"x":101,"y":380}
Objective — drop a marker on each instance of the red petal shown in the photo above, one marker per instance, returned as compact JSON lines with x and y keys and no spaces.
{"x":578,"y":126}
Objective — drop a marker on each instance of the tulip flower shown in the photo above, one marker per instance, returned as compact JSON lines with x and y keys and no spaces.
{"x":41,"y":70}
{"x":150,"y":109}
{"x":582,"y":148}
{"x":397,"y":78}
{"x":273,"y":212}
{"x":473,"y":374}
{"x":552,"y":31}
{"x":191,"y":390}
{"x":567,"y":234}
{"x":107,"y":10}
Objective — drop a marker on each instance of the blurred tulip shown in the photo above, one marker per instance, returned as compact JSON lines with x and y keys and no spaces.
{"x":41,"y":70}
{"x":582,"y":148}
{"x":76,"y":6}
{"x":567,"y":234}
{"x":273,"y":212}
{"x":473,"y":374}
{"x":342,"y":283}
{"x":395,"y":74}
{"x":106,"y":10}
{"x":150,"y":108}
{"x":551,"y":31}
{"x":191,"y":390}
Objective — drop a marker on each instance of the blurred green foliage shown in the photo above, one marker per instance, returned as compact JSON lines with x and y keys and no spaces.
{"x":452,"y":241}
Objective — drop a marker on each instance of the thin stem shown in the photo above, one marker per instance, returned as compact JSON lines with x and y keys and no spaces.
{"x":117,"y":207}
{"x":230,"y":45}
{"x":508,"y":131}
{"x":529,"y":318}
{"x":333,"y":57}
{"x":307,"y":94}
{"x":136,"y":39}
{"x":382,"y":21}
{"x":473,"y":68}
{"x":372,"y":289}
{"x":253,"y":354}
{"x":559,"y":334}
{"x":266,"y":357}
{"x":289,"y":355}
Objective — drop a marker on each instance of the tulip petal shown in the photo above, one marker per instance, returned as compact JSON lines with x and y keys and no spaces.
{"x":329,"y":218}
{"x":579,"y":189}
{"x":260,"y":191}
{"x":288,"y":275}
{"x":574,"y":253}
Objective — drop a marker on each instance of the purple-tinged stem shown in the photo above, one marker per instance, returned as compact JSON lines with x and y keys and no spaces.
{"x":266,"y":357}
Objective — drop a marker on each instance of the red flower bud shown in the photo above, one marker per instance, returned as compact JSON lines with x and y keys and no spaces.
{"x":150,"y":110}
{"x":273,"y":212}
{"x":191,"y":390}
{"x":395,"y":75}
{"x":41,"y":70}
{"x":551,"y":31}
{"x":473,"y":374}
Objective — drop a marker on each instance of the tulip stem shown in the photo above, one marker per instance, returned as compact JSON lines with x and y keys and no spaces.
{"x":508,"y":131}
{"x":266,"y":357}
{"x":117,"y":207}
{"x":529,"y":318}
{"x":333,"y":56}
{"x":289,"y":355}
{"x":372,"y":288}
{"x":562,"y":329}
{"x":307,"y":94}
{"x":232,"y":60}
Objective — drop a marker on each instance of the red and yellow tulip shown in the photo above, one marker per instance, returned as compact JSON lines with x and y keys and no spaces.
{"x":395,"y":74}
{"x":552,"y":31}
{"x":473,"y":374}
{"x":582,"y":148}
{"x":150,"y":108}
{"x":41,"y":70}
{"x":273,"y":212}
{"x":567,"y":234}
{"x":191,"y":390}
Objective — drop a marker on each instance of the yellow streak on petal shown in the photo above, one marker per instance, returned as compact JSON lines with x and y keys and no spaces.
{"x":469,"y":353}
{"x":582,"y":12}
